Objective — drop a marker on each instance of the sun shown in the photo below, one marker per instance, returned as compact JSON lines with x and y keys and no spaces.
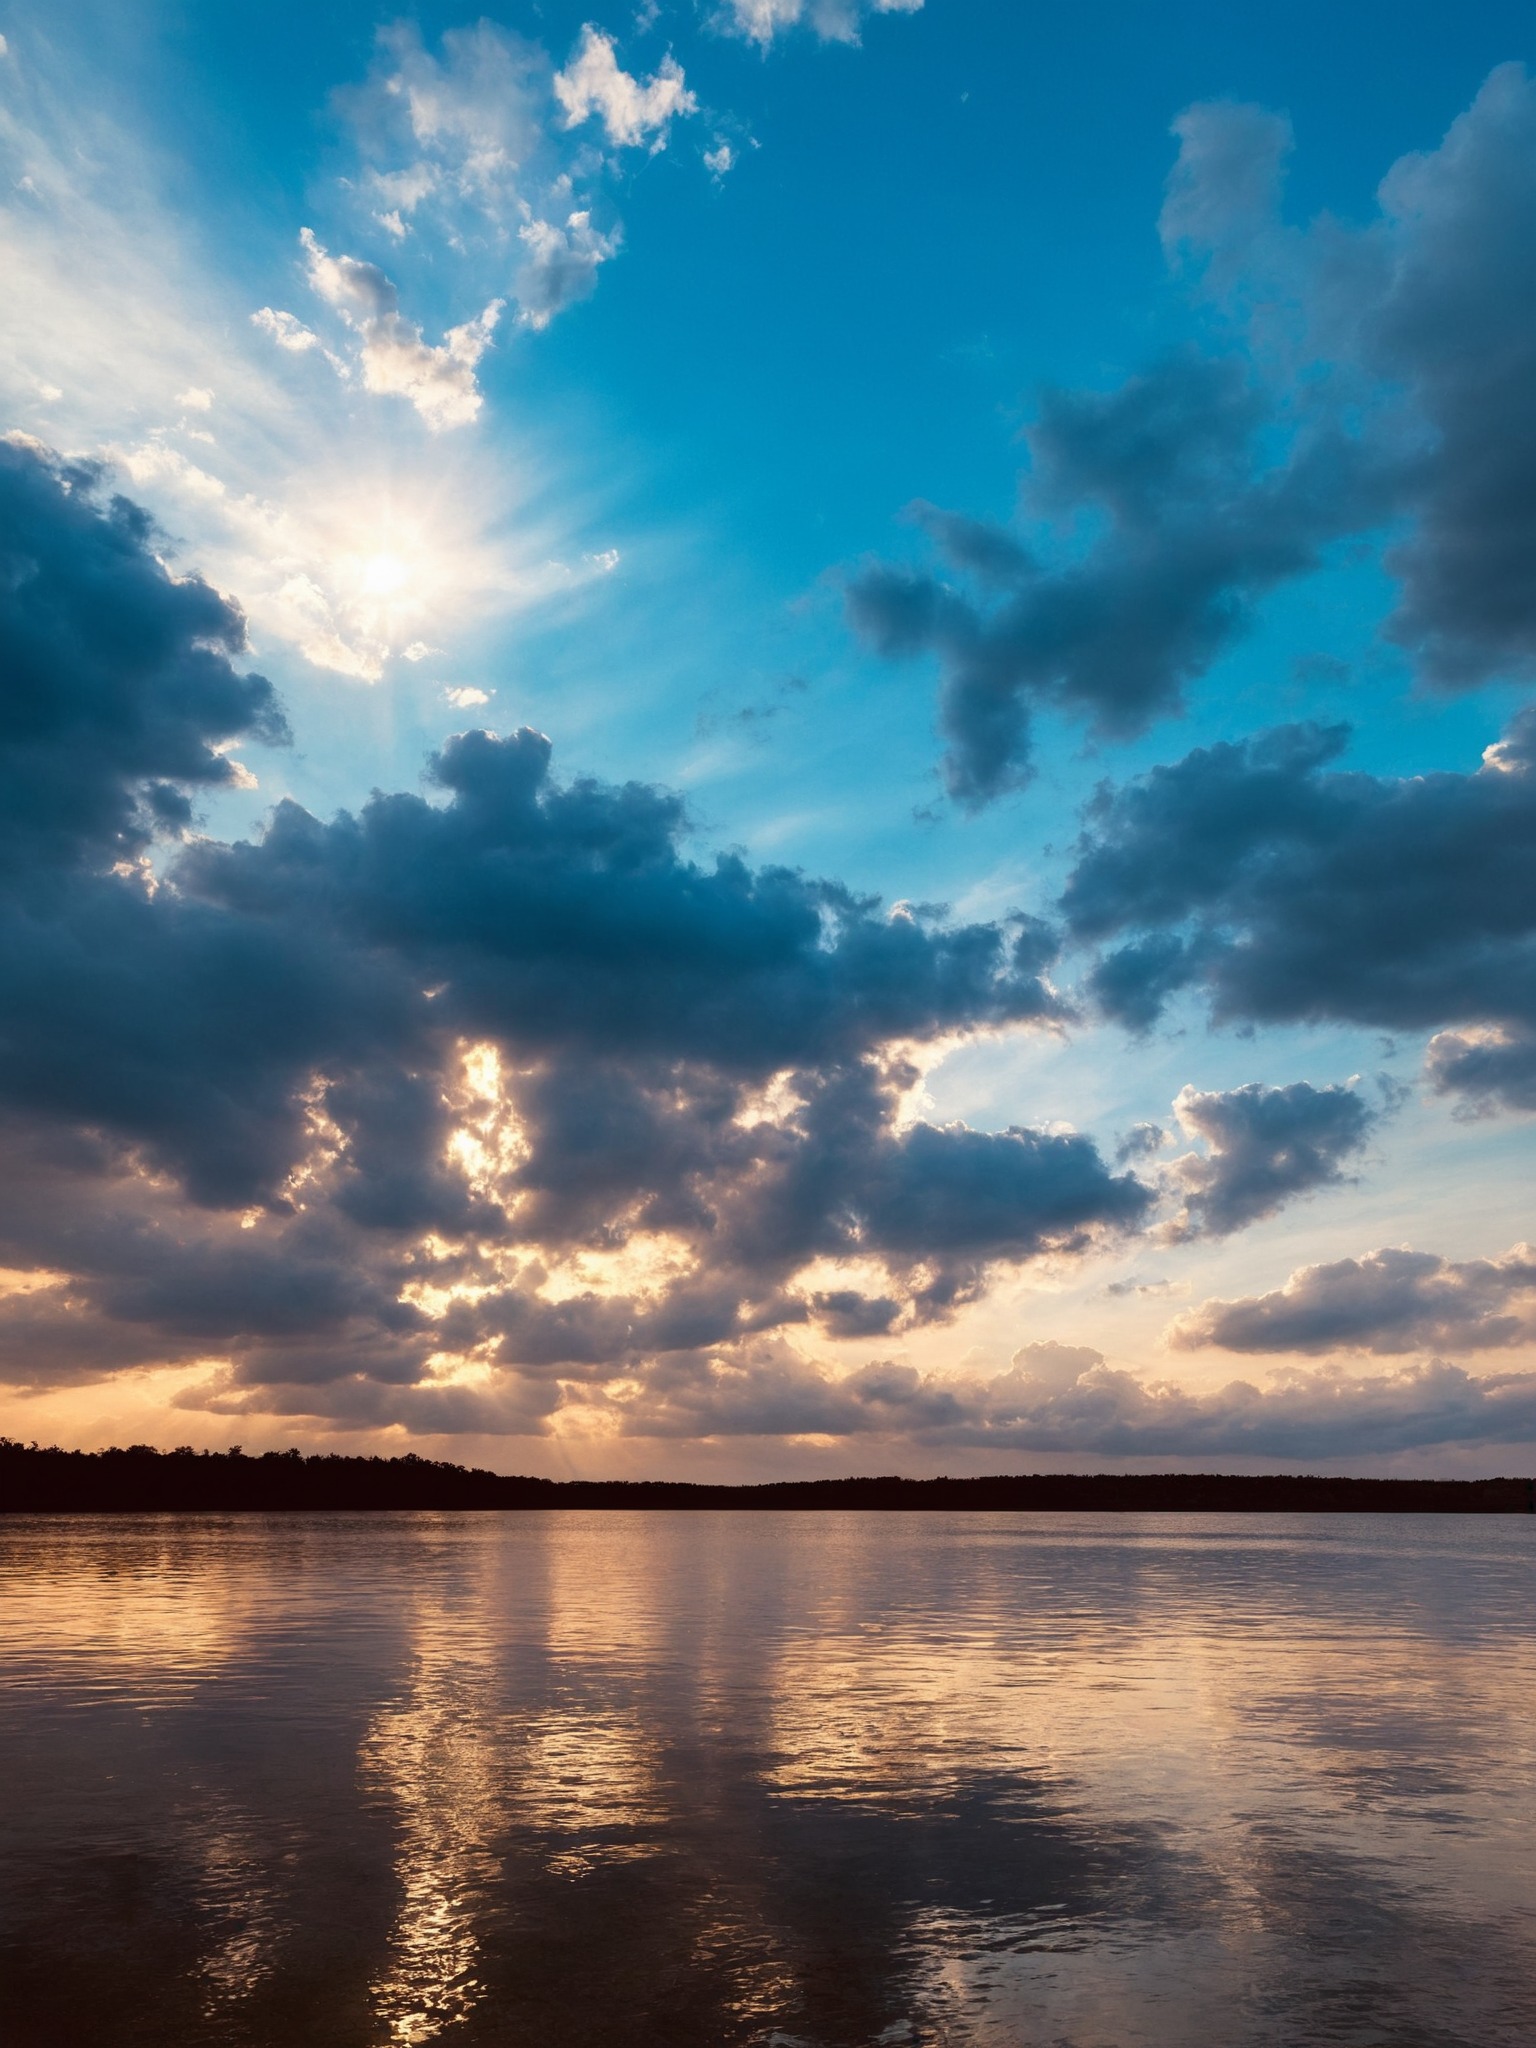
{"x":385,"y":576}
{"x":390,"y":574}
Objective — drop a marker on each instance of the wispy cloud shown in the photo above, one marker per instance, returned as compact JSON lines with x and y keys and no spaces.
{"x":836,"y":21}
{"x":347,"y":533}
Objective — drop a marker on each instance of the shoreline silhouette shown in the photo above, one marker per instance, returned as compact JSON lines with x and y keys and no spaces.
{"x":142,"y":1480}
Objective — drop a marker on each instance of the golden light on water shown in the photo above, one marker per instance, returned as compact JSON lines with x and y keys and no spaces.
{"x":1012,"y":1769}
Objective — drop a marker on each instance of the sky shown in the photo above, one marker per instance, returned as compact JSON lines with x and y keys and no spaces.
{"x":772,"y":737}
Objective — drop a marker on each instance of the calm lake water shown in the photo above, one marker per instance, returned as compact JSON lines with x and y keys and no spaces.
{"x":698,"y":1780}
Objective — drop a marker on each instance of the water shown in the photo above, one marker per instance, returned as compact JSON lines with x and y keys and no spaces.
{"x":799,"y":1781}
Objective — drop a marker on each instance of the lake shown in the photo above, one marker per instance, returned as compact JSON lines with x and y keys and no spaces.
{"x":704,"y":1779}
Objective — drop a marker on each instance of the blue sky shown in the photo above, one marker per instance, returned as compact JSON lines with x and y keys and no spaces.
{"x":924,"y":449}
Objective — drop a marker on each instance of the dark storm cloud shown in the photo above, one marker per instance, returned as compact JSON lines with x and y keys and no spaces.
{"x":696,"y":1049}
{"x":1389,"y":1301}
{"x":1388,"y":377}
{"x":1264,"y":1146}
{"x":1290,"y":890}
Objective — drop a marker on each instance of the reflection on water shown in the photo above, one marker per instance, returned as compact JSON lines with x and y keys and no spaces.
{"x":703,"y":1780}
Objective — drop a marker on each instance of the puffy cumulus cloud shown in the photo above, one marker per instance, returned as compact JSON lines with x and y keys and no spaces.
{"x":836,"y":21}
{"x":1078,"y":1403}
{"x":594,"y":83}
{"x":120,"y":690}
{"x":455,"y":1105}
{"x":1488,"y":1065}
{"x":476,"y":143}
{"x":1289,"y":889}
{"x":1264,"y":1147}
{"x":1392,"y":1300}
{"x":1362,"y":381}
{"x":1447,"y":306}
{"x":562,"y":265}
{"x":286,"y":329}
{"x":1193,"y":524}
{"x":1431,"y":310}
{"x":438,"y":382}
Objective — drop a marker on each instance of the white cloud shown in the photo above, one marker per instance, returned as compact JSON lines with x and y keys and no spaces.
{"x":468,"y":118}
{"x":562,"y":266}
{"x":195,"y":399}
{"x":593,"y":83}
{"x":439,"y":382}
{"x":720,"y":159}
{"x":286,"y":330}
{"x":465,"y":699}
{"x":474,"y":144}
{"x":345,"y":534}
{"x":835,"y":21}
{"x":403,"y":191}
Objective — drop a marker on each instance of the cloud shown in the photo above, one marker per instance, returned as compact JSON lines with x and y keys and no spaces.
{"x":1354,"y":383}
{"x":1429,"y":312}
{"x":121,"y":693}
{"x":593,"y":83}
{"x":1291,"y":890}
{"x":499,"y":1109}
{"x":1389,"y":1301}
{"x":1264,"y":1147}
{"x":1194,"y":524}
{"x":835,"y":21}
{"x":439,"y":382}
{"x":1224,"y":191}
{"x":475,"y":144}
{"x":286,"y":329}
{"x":458,"y":123}
{"x":1078,"y":1404}
{"x":345,"y":529}
{"x":410,"y":1106}
{"x":562,"y":265}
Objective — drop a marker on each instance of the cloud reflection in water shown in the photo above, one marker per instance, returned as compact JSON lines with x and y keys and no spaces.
{"x":742,"y":1779}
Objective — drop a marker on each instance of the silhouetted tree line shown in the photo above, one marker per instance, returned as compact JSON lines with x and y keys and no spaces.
{"x":143,"y":1480}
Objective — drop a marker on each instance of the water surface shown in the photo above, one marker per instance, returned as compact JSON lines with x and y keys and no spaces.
{"x":800,"y":1780}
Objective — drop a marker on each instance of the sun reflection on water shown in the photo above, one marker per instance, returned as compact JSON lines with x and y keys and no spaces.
{"x":733,"y":1781}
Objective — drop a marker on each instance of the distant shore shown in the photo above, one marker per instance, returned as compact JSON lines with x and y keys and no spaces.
{"x":140,"y":1480}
